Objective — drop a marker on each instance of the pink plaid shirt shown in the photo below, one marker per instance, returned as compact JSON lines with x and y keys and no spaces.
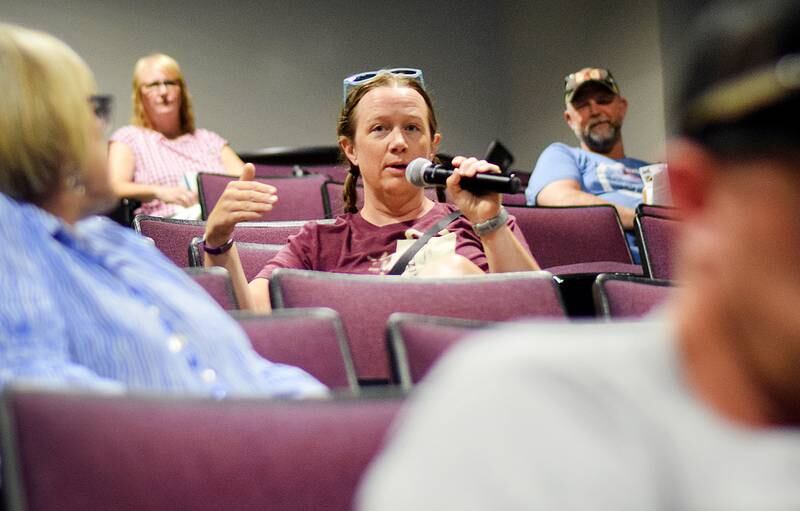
{"x":163,"y":161}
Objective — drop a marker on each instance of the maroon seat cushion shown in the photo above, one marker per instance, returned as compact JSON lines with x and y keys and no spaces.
{"x":417,"y":341}
{"x":76,"y":452}
{"x":173,"y":236}
{"x":299,"y":198}
{"x":625,"y":296}
{"x":560,"y":236}
{"x":365,"y":302}
{"x":312,"y":339}
{"x":657,"y":236}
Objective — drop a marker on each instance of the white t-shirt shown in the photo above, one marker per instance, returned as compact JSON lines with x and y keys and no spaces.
{"x":586,"y":416}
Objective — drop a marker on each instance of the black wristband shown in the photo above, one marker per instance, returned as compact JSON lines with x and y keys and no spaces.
{"x":217,"y":250}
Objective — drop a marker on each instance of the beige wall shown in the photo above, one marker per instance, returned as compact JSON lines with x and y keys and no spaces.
{"x":268,"y":73}
{"x":548,"y":39}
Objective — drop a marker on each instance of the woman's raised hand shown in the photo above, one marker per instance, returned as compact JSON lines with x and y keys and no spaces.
{"x":244,"y":200}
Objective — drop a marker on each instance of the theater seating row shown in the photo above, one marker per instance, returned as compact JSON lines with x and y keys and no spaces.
{"x":71,"y":450}
{"x":366,"y":316}
{"x":564,"y":240}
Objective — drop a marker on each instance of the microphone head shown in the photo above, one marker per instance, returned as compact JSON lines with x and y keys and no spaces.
{"x":414,"y":171}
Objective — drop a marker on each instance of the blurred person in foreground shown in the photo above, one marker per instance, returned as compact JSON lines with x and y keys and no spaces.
{"x":85,"y":302}
{"x":696,"y":408}
{"x":156,"y":158}
{"x":386,"y":122}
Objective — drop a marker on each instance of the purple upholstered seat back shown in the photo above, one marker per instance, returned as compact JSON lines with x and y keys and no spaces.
{"x":334,"y":203}
{"x":173,"y":237}
{"x":656,"y":236}
{"x":312,"y":339}
{"x":656,"y":210}
{"x":417,"y":341}
{"x":334,"y":172}
{"x":253,"y":256}
{"x":268,"y":170}
{"x":625,"y":296}
{"x":514,"y":199}
{"x":299,"y":198}
{"x":217,"y":283}
{"x":570,"y":235}
{"x":170,"y":236}
{"x":365,"y":302}
{"x":269,"y":233}
{"x":75,"y":452}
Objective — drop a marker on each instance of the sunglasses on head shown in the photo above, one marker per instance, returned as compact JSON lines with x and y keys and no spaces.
{"x":359,"y":79}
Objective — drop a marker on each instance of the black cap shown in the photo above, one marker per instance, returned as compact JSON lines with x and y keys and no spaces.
{"x":741,"y":87}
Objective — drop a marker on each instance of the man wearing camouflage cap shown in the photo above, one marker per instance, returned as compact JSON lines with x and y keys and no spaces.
{"x":597,"y":172}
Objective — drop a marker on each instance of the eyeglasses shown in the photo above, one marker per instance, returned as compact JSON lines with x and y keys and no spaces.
{"x":359,"y":79}
{"x":742,"y":95}
{"x":101,"y":106}
{"x":154,"y":87}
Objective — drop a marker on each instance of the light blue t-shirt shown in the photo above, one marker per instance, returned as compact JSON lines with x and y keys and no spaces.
{"x":617,"y":181}
{"x":97,"y":306}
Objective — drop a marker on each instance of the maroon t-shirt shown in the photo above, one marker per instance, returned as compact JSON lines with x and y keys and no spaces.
{"x":353,"y":245}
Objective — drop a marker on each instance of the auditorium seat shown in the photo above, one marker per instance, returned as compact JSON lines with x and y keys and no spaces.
{"x":332,"y":198}
{"x":628,"y":296}
{"x":562,"y":236}
{"x":299,"y":198}
{"x":76,"y":451}
{"x":366,"y":301}
{"x":335,"y":172}
{"x":312,"y":339}
{"x":253,"y":256}
{"x":173,"y":236}
{"x":268,"y":170}
{"x":416,"y":341}
{"x":656,"y":237}
{"x":217,"y":283}
{"x":576,"y":243}
{"x":660,"y":211}
{"x":514,"y":199}
{"x":334,"y":203}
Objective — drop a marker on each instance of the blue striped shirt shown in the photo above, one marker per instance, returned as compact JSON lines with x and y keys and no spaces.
{"x":97,"y":306}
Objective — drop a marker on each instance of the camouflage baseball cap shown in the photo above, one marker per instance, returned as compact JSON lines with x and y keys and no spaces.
{"x":574,"y":81}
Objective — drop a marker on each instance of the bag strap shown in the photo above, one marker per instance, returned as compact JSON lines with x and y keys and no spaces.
{"x":400,"y":265}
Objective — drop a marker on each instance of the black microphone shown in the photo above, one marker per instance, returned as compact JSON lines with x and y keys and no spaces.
{"x":422,"y":172}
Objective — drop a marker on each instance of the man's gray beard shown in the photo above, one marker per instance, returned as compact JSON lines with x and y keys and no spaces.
{"x":602,"y":144}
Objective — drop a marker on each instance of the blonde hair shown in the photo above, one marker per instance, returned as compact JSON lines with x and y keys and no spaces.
{"x":166,"y":63}
{"x":346,"y":126}
{"x":45,"y":115}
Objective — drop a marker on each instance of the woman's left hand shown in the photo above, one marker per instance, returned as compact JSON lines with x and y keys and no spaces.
{"x":476,"y":208}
